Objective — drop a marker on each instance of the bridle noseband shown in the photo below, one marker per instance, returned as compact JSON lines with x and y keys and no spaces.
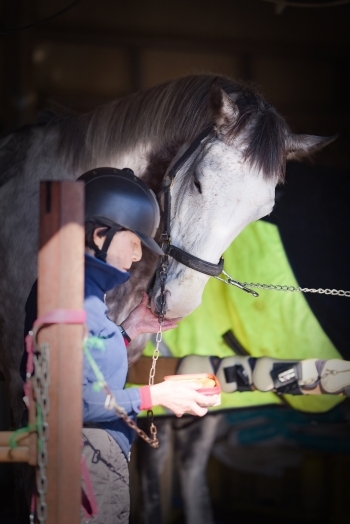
{"x":185,"y":258}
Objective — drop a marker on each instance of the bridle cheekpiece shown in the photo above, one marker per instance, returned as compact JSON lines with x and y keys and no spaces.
{"x":185,"y":258}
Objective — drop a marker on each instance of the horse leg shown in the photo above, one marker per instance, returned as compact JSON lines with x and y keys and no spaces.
{"x":150,"y":466}
{"x":194,"y":439}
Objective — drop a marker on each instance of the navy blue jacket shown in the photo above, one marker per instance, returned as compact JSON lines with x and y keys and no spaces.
{"x":112,"y":361}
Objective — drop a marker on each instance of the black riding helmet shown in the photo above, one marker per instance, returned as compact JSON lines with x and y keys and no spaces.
{"x":121,"y":198}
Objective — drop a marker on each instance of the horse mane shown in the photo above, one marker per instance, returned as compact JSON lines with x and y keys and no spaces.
{"x":167,"y":116}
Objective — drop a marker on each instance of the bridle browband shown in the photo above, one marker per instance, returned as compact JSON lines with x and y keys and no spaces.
{"x":185,"y":258}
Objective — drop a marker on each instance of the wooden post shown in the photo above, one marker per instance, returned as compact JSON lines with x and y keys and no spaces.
{"x":60,"y":285}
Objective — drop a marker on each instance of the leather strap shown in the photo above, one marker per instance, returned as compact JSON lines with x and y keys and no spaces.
{"x":101,"y":254}
{"x":178,"y":254}
{"x":285,"y":378}
{"x":193,"y":262}
{"x":186,"y":155}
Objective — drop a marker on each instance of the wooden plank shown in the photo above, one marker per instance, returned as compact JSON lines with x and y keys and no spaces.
{"x":19,"y":454}
{"x":139,"y":372}
{"x":60,"y":285}
{"x":5,"y":436}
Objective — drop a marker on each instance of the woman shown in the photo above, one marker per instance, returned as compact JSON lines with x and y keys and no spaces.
{"x":121,"y":214}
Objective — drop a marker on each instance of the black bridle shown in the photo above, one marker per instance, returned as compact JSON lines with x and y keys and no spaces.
{"x":169,"y":249}
{"x":185,"y":258}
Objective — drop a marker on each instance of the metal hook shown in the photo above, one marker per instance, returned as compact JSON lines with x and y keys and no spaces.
{"x":233,"y":282}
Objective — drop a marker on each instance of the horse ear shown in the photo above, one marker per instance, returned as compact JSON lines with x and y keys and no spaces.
{"x":224,"y":110}
{"x":298,"y":146}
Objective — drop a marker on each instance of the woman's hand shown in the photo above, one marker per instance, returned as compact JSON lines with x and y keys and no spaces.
{"x":142,"y":320}
{"x":181,"y":397}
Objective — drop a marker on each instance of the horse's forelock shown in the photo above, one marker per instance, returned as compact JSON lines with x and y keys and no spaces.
{"x":266,"y":147}
{"x":264,"y":132}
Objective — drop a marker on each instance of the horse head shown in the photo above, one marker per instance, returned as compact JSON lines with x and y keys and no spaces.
{"x":227,"y":181}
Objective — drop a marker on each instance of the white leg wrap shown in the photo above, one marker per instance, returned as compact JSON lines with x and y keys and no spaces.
{"x":274,"y":374}
{"x":195,"y":364}
{"x":297,"y":377}
{"x":335,"y":376}
{"x":235,"y":374}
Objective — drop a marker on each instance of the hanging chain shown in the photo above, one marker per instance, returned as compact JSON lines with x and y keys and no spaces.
{"x":163,"y":276}
{"x":227,"y":279}
{"x":273,"y":287}
{"x":111,"y":404}
{"x":41,"y":380}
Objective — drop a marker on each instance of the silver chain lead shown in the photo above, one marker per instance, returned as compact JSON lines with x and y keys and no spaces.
{"x":274,"y":287}
{"x":41,"y":381}
{"x":227,"y":279}
{"x":163,"y":274}
{"x":155,"y":356}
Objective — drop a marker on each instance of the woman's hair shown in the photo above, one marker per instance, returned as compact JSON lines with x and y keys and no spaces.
{"x":96,"y":222}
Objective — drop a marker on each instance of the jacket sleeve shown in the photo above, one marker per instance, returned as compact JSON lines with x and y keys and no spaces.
{"x":109,"y":354}
{"x":94,"y":403}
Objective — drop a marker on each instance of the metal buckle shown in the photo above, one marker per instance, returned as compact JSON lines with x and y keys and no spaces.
{"x":233,"y":282}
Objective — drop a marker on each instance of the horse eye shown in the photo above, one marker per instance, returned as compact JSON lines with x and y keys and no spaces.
{"x":197,"y":184}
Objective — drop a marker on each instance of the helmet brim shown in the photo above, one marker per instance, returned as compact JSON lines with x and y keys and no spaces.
{"x":150,"y":243}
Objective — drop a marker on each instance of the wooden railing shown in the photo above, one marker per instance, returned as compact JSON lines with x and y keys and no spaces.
{"x":60,"y":286}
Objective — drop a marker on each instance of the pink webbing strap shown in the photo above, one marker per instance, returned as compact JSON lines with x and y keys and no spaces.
{"x":57,"y":316}
{"x":89,"y":503}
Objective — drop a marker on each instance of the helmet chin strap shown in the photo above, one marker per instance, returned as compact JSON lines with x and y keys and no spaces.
{"x":101,"y":254}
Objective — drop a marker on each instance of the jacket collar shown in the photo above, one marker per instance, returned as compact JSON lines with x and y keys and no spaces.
{"x":102,"y":276}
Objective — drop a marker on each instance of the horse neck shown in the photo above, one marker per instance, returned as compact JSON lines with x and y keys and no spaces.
{"x":136,"y":159}
{"x":139,"y":133}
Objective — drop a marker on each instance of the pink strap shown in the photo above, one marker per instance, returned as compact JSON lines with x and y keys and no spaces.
{"x":89,"y":492}
{"x":62,"y":316}
{"x":57,"y":316}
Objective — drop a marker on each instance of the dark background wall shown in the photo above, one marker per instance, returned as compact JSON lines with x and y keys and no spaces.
{"x":98,"y":50}
{"x":299,"y":58}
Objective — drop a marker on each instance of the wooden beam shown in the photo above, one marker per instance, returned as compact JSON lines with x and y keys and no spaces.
{"x":5,"y":436}
{"x":19,"y":454}
{"x":60,"y":285}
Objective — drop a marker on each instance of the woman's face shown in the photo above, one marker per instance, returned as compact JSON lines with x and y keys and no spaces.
{"x":124,"y":249}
